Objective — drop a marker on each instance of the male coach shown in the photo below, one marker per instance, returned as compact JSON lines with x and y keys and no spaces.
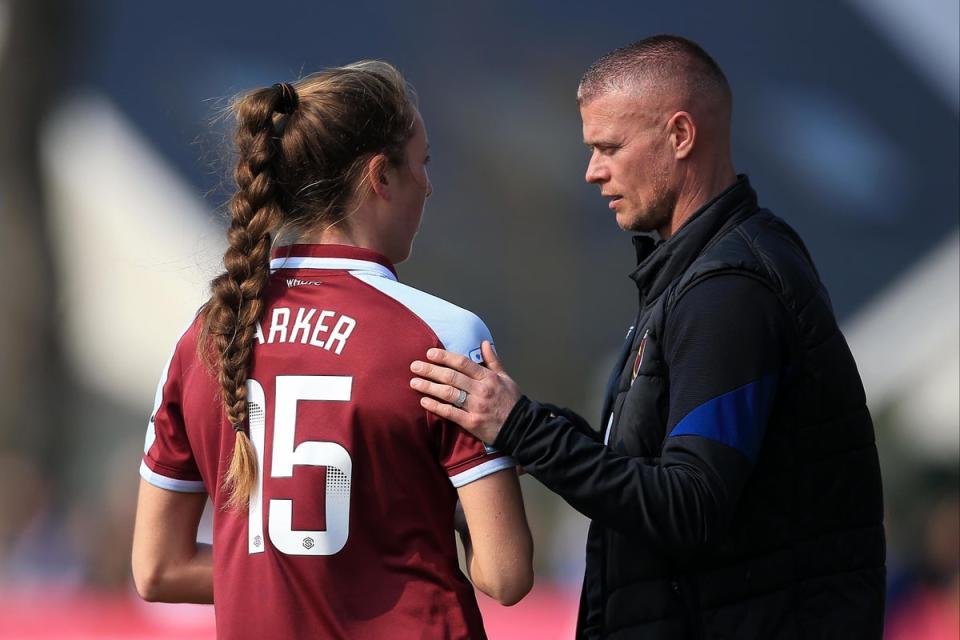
{"x":734,"y":490}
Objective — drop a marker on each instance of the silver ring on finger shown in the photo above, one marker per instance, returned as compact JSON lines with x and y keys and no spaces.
{"x":461,"y":399}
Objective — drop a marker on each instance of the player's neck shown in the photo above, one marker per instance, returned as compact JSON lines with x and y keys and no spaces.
{"x":344,"y":232}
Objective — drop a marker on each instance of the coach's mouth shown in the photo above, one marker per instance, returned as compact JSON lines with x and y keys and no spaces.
{"x":614,"y":199}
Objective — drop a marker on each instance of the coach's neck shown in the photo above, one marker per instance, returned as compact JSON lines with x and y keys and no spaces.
{"x":702,"y":180}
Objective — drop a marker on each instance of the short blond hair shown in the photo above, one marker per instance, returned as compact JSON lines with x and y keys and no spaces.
{"x":663,"y":60}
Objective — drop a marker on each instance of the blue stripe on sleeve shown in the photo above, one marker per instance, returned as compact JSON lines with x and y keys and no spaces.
{"x":737,"y":418}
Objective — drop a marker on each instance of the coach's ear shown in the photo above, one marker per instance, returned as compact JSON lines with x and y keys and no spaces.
{"x":683,"y":134}
{"x":378,"y":169}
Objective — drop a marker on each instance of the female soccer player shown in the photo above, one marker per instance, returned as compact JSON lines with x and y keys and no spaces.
{"x":287,"y":400}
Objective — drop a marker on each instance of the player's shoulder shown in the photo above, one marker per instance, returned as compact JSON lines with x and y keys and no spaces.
{"x":184,"y":352}
{"x":190,"y":334}
{"x":457,"y":329}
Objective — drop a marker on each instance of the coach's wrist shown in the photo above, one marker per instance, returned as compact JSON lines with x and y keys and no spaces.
{"x":507,"y":437}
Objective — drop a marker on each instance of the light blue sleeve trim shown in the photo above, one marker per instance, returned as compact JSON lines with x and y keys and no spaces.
{"x":171,"y":484}
{"x":482,"y":470}
{"x":459,"y":330}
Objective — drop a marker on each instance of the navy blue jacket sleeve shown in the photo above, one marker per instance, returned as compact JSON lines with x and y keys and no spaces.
{"x":725,"y":347}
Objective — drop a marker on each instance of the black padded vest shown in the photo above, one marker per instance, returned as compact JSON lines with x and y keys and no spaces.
{"x":805,"y":550}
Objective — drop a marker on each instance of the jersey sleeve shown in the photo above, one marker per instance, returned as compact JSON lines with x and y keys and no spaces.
{"x":464,"y":456}
{"x":168,"y":460}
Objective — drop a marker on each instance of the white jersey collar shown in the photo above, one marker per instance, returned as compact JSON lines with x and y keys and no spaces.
{"x":332,"y":257}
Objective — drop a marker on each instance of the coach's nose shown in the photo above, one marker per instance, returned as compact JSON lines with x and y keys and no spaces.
{"x":597,"y":171}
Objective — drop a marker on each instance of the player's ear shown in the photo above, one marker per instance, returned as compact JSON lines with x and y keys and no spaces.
{"x":683,"y":134}
{"x":377,"y":173}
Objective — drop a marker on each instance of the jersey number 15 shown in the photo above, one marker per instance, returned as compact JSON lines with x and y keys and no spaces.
{"x":289,"y":391}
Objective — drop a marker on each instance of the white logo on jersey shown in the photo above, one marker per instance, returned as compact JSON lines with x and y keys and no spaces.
{"x":296,"y":282}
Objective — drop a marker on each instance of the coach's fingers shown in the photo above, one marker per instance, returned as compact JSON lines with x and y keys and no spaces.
{"x":443,"y":375}
{"x":490,"y":357}
{"x":456,"y":361}
{"x":442,"y":392}
{"x":447,"y":411}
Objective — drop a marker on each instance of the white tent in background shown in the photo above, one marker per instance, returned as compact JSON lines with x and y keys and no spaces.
{"x":907,"y":345}
{"x":135,"y":248}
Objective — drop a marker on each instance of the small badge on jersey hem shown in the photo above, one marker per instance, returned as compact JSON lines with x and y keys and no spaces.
{"x":639,"y":359}
{"x":477,"y":355}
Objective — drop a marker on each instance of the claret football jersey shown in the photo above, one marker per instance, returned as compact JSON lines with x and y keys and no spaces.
{"x":349,"y":533}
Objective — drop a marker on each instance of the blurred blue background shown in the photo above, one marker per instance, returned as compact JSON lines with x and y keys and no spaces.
{"x":114,"y":173}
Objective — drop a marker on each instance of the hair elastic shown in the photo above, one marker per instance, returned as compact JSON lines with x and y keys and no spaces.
{"x":289,"y":100}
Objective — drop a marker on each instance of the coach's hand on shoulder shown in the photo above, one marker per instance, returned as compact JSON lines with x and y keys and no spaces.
{"x":490,"y":392}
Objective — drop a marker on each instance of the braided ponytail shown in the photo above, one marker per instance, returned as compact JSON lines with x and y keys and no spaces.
{"x":302,"y":153}
{"x":236,"y":301}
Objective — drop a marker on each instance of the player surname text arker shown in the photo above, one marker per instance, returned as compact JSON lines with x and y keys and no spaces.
{"x":308,"y":326}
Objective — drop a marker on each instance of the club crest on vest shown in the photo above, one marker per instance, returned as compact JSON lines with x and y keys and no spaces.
{"x":639,"y":360}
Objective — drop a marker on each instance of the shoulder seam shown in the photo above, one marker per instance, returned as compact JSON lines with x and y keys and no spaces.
{"x":405,"y":308}
{"x":733,"y":271}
